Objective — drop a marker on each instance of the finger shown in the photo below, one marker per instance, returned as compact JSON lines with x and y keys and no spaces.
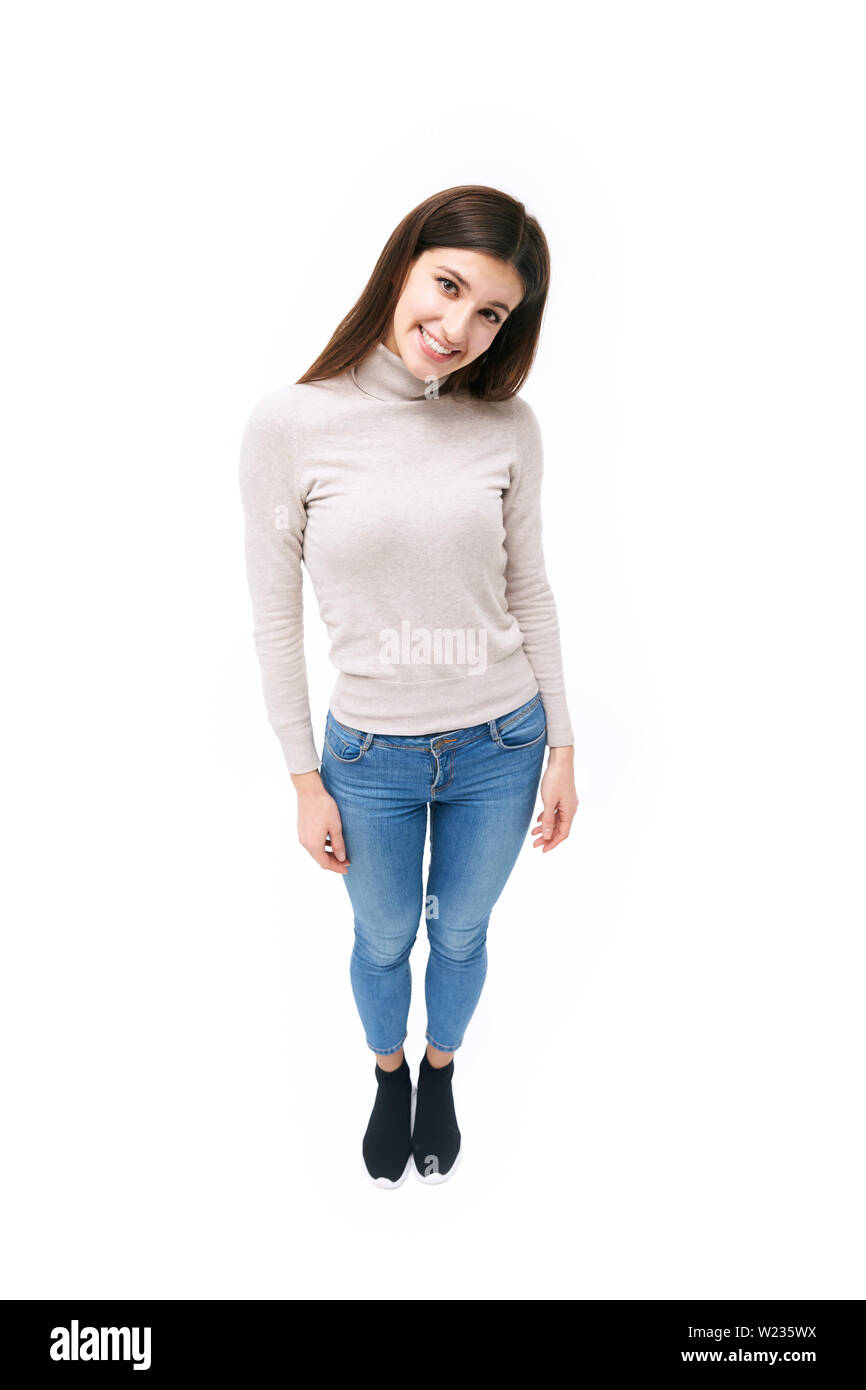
{"x":558,"y":838}
{"x":326,"y":860}
{"x":330,"y":861}
{"x":564,"y":822}
{"x":338,"y":844}
{"x":334,"y":860}
{"x":562,"y":826}
{"x":563,"y":817}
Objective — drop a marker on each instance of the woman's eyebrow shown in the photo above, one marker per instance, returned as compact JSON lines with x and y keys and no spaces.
{"x":496,"y":303}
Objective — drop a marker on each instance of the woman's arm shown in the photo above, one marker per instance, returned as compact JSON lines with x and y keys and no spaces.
{"x":274,"y":521}
{"x":530,"y":599}
{"x":527,"y":591}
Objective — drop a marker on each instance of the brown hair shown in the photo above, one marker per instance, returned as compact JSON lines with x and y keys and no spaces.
{"x":479,"y":219}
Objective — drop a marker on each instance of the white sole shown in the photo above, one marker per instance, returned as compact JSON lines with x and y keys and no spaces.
{"x":410,"y":1162}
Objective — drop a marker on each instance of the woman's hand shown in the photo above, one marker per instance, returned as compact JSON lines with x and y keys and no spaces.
{"x":559,"y":799}
{"x":320,"y":829}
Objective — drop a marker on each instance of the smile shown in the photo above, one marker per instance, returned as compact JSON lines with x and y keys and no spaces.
{"x":435,"y":346}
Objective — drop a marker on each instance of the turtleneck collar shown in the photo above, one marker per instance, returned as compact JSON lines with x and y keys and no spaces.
{"x":384,"y":375}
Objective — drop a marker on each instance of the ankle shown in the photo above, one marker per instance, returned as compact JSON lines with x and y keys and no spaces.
{"x":391,"y":1061}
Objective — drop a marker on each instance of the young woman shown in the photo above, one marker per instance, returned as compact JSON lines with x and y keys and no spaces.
{"x":405,"y":471}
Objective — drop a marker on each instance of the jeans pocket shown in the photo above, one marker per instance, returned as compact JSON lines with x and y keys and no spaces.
{"x":345,"y":744}
{"x":522,"y":727}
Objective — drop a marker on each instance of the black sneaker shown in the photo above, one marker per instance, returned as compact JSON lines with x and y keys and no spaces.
{"x":387,"y":1143}
{"x":436,"y":1144}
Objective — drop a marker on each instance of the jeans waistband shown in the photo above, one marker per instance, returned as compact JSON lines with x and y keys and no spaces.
{"x":451,"y":738}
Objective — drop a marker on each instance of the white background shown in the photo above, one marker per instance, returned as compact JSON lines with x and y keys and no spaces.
{"x":661,"y":1091}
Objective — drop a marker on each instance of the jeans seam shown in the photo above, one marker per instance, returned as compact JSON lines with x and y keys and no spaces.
{"x":338,"y":756}
{"x":516,"y":747}
{"x":521,"y":714}
{"x":440,"y":1047}
{"x":388,"y":1051}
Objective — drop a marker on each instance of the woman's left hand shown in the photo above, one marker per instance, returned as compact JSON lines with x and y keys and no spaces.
{"x":559,"y":798}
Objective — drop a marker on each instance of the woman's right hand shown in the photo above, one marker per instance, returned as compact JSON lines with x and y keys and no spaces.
{"x":320,"y":829}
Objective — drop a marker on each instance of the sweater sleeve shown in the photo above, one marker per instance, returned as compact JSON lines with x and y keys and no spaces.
{"x":274,"y":521}
{"x":528,"y":593}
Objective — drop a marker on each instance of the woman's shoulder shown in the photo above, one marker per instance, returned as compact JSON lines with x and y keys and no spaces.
{"x":280,"y":402}
{"x":521,"y":410}
{"x":519,"y":418}
{"x":516,"y":408}
{"x":285,"y":407}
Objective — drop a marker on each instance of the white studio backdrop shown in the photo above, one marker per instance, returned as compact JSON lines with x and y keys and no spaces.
{"x":197,"y":194}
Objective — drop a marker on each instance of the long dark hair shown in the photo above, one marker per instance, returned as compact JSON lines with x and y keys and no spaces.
{"x":478,"y":219}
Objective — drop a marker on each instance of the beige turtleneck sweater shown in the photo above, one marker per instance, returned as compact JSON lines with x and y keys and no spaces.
{"x":418,"y":517}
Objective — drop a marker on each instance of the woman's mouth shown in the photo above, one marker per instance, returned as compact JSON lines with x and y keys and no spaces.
{"x":433,"y":348}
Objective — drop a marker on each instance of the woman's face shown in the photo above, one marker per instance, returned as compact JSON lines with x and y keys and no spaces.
{"x":459,"y":298}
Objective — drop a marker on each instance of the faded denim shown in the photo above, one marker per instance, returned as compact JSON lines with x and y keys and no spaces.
{"x":481,"y":785}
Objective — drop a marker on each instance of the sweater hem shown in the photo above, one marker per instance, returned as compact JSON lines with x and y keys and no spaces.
{"x":370,"y":705}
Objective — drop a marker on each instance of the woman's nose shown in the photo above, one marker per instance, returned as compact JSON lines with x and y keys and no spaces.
{"x":456,"y":328}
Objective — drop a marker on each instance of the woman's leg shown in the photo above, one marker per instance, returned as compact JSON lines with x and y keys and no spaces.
{"x":382,"y":798}
{"x":483,"y":798}
{"x":480,"y":818}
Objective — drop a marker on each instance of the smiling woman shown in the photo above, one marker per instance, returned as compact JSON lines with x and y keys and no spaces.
{"x":468,"y":269}
{"x":405,"y":471}
{"x":449,"y":317}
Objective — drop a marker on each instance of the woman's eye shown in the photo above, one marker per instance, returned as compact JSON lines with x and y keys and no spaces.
{"x":494,"y":317}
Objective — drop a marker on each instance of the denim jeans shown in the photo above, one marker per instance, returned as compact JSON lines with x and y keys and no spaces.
{"x":481,"y":785}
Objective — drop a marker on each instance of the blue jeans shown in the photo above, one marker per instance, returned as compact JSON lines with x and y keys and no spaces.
{"x":481,"y":785}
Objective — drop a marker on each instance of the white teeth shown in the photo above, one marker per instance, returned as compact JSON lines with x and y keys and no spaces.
{"x":431,"y":342}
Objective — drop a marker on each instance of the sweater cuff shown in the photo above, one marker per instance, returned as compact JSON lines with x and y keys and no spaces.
{"x":559,"y":731}
{"x":300,"y":753}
